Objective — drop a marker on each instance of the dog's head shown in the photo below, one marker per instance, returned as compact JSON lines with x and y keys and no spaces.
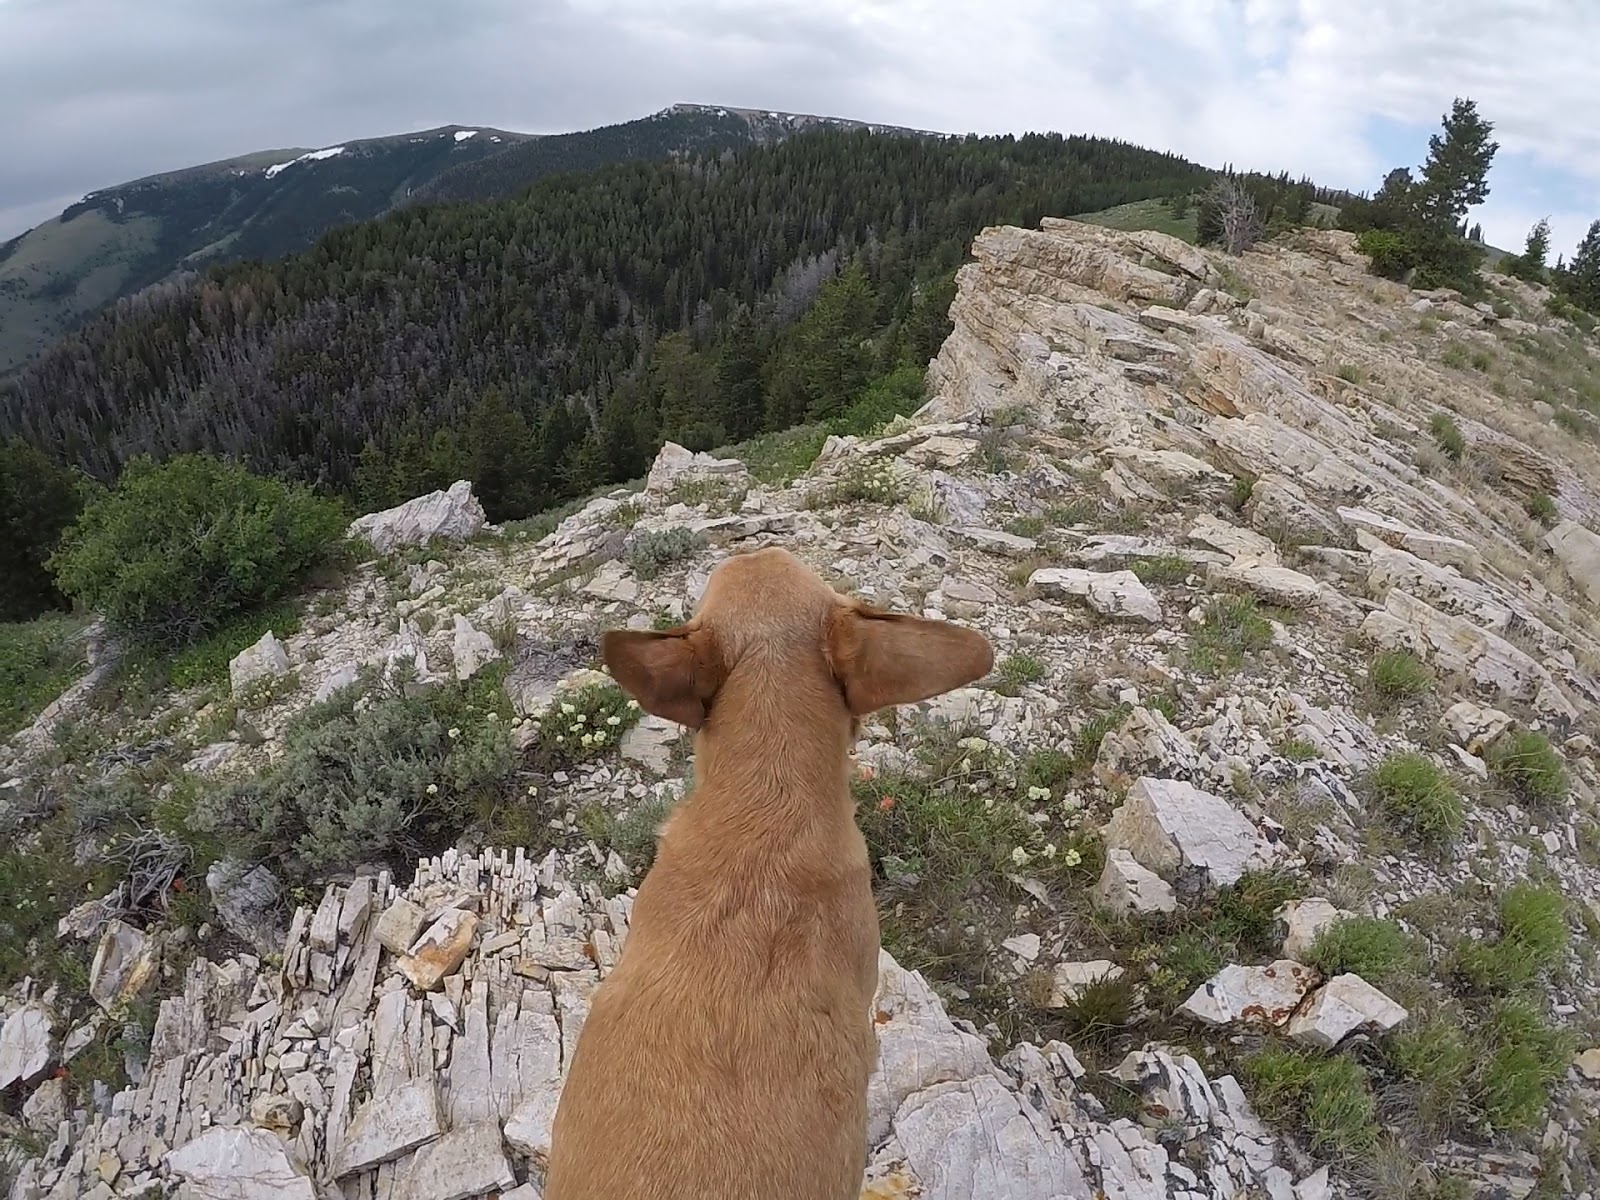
{"x":768,"y":607}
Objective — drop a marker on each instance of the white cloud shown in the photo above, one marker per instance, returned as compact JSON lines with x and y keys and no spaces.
{"x":108,"y":91}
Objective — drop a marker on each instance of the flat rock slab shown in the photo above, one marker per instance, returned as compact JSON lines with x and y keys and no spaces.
{"x":469,"y":1161}
{"x":25,"y":1046}
{"x":239,"y":1163}
{"x":1345,"y":1004}
{"x":1259,"y":995}
{"x":1172,"y":827}
{"x":389,"y":1125}
{"x":1118,"y":594}
{"x":1127,"y":886}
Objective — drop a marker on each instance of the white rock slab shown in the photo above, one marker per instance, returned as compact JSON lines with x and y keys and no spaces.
{"x":1260,"y":995}
{"x":239,"y":1163}
{"x":1346,"y":1003}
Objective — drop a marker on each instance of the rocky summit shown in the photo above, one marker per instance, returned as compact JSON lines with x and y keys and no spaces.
{"x":1266,"y":864}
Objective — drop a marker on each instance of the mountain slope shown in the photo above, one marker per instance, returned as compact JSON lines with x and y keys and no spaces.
{"x":261,"y":205}
{"x":596,"y":314}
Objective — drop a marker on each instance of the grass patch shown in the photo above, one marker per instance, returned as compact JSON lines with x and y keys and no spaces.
{"x":632,"y":835}
{"x":1379,"y":951}
{"x":1438,"y":1057}
{"x":1455,"y":356}
{"x":38,"y":659}
{"x":1417,"y":797}
{"x":1231,"y":628}
{"x":1533,"y":937}
{"x":1399,"y":675}
{"x":1542,"y":509}
{"x":1529,"y":767}
{"x":1016,"y":670}
{"x":1447,"y":436}
{"x":1163,"y":568}
{"x":1328,"y":1098}
{"x":1029,"y":527}
{"x":1351,"y":373}
{"x":1087,"y":741}
{"x":1525,"y":1058}
{"x":1298,"y":750}
{"x":1236,"y":924}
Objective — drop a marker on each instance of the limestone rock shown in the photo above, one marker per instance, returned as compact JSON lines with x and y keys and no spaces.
{"x":1112,"y":593}
{"x":1588,"y":1064}
{"x":389,"y":1125}
{"x":277,"y":1112}
{"x":1232,"y":541}
{"x":674,"y":463}
{"x":468,"y":1161}
{"x":440,"y":950}
{"x":1146,"y":743}
{"x":124,"y":964}
{"x":239,"y":1163}
{"x":248,"y":903}
{"x":1263,"y":995}
{"x":473,"y":649}
{"x":1126,"y":886}
{"x":1578,"y":549}
{"x":1475,"y":726}
{"x":44,"y":1111}
{"x":453,"y":515}
{"x":267,"y":659}
{"x":1432,"y":547}
{"x":650,"y":742}
{"x":995,"y":541}
{"x":1278,"y":585}
{"x":1175,"y":829}
{"x":1340,"y":1007}
{"x":1303,"y":920}
{"x":527,"y":1129}
{"x":398,"y":927}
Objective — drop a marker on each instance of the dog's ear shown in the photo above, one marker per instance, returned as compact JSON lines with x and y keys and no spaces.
{"x":672,"y":673}
{"x":883,"y":658}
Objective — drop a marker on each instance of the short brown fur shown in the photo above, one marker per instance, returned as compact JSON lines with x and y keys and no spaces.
{"x":728,"y":1052}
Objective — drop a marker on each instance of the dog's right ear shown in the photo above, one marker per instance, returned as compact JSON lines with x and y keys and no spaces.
{"x":672,"y":673}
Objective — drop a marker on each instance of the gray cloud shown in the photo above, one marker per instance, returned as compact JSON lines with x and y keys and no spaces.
{"x":100,"y":91}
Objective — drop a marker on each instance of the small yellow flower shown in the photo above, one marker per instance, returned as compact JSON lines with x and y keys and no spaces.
{"x":599,"y":739}
{"x":1072,"y":858}
{"x":454,"y":733}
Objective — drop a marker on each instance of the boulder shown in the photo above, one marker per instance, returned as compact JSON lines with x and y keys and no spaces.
{"x":453,"y":515}
{"x":674,"y":463}
{"x":26,"y":1046}
{"x":1303,"y":920}
{"x":237,"y":1162}
{"x":1283,"y":586}
{"x":440,"y":950}
{"x":1474,"y":726}
{"x":249,"y":904}
{"x":124,"y":965}
{"x":1118,"y":594}
{"x":399,"y":926}
{"x":1432,"y":547}
{"x":1145,"y":744}
{"x":276,"y":1111}
{"x":1126,"y":886}
{"x":44,"y":1111}
{"x":1181,"y":832}
{"x":1578,"y":549}
{"x":1261,"y":995}
{"x":267,"y":659}
{"x":390,"y":1124}
{"x":527,"y":1129}
{"x":1340,"y":1007}
{"x":468,"y":1161}
{"x":473,"y":649}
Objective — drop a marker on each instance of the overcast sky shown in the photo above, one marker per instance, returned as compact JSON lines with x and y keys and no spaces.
{"x":97,"y":92}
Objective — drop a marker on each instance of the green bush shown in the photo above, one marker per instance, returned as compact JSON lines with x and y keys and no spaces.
{"x":1533,"y":936}
{"x":38,"y":500}
{"x":175,"y":550}
{"x":1015,"y":670}
{"x":1527,"y":765}
{"x":1542,"y":509}
{"x":1399,"y":675}
{"x":1446,"y":433}
{"x":403,"y":773}
{"x":1163,"y":568}
{"x":1391,"y":253}
{"x":1374,"y":949}
{"x":651,"y":551}
{"x":1329,"y":1098}
{"x":37,"y":661}
{"x":1417,"y":796}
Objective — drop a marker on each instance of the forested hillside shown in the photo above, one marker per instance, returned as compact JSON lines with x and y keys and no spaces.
{"x":546,"y":344}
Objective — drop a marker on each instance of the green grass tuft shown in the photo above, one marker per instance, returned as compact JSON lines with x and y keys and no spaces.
{"x":1015,"y":670}
{"x":1533,"y":937}
{"x":1527,"y":765}
{"x":1374,"y":949}
{"x":1232,"y":628}
{"x":1329,"y":1098}
{"x":1417,"y":797}
{"x":1399,"y":675}
{"x":1447,"y":434}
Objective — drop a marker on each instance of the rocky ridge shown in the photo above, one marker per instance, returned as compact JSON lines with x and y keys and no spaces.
{"x":1122,"y":430}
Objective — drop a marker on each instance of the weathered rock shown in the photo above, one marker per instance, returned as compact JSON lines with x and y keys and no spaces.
{"x":1431,"y":547}
{"x":1263,"y":995}
{"x":1175,"y":829}
{"x":248,"y":903}
{"x":267,"y":659}
{"x":527,"y":1129}
{"x":472,"y":649}
{"x":1588,"y":1064}
{"x":995,"y":541}
{"x":1232,"y":541}
{"x":1071,"y":979}
{"x":468,"y":1161}
{"x":344,"y":676}
{"x":1578,"y":549}
{"x":124,"y":964}
{"x":1303,"y":920}
{"x":389,"y":1125}
{"x":1278,"y":585}
{"x":1126,"y":886}
{"x":239,"y":1163}
{"x":398,"y":927}
{"x":440,"y":950}
{"x":277,"y":1112}
{"x":46,"y":1108}
{"x":674,"y":463}
{"x":1475,"y":726}
{"x":1340,"y":1007}
{"x":1112,"y":593}
{"x":650,"y":743}
{"x":1146,"y":743}
{"x":453,"y":515}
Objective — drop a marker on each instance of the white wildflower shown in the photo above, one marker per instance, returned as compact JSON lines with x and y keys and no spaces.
{"x":433,"y":789}
{"x":1020,"y":856}
{"x":454,"y":733}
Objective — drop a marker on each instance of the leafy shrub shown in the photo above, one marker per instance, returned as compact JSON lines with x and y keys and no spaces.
{"x":385,"y":781}
{"x":1390,"y":252}
{"x":651,"y":551}
{"x":1528,"y":765}
{"x":1417,"y":796}
{"x":582,"y":724}
{"x":177,"y":549}
{"x":1533,"y":935}
{"x":1447,"y":434}
{"x":1374,"y":949}
{"x":862,"y":483}
{"x":1399,"y":675}
{"x":37,"y":661}
{"x":1328,"y":1097}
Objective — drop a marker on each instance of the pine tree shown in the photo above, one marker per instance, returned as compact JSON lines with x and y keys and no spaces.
{"x":1531,"y":263}
{"x":1581,"y":280}
{"x":1455,"y":176}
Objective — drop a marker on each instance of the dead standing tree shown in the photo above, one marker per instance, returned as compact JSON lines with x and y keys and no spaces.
{"x":1238,"y":222}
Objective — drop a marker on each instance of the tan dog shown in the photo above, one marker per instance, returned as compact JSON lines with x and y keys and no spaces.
{"x":727,"y":1055}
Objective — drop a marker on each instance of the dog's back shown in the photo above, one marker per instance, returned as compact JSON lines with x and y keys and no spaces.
{"x":728,"y":1052}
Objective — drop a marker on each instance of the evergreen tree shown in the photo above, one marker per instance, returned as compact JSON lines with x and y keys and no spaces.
{"x":1580,"y":282}
{"x":38,"y":501}
{"x":1530,"y":264}
{"x":1455,"y":176}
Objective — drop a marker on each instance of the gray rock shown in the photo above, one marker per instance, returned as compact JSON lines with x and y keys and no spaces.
{"x":468,"y":1161}
{"x":389,"y":1125}
{"x":649,"y":743}
{"x":1112,"y":593}
{"x":267,"y":659}
{"x":1125,"y":886}
{"x":399,"y":926}
{"x":1177,"y":830}
{"x":44,"y":1111}
{"x":1265,"y":995}
{"x":473,"y":649}
{"x":1343,"y":1005}
{"x":249,"y":904}
{"x":124,"y":965}
{"x":453,"y":515}
{"x":1578,"y":549}
{"x":239,"y":1163}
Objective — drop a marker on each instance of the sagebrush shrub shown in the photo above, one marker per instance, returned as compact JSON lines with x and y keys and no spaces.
{"x":652,"y":550}
{"x":176,"y":549}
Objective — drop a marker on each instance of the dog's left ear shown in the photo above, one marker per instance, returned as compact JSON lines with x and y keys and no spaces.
{"x":672,"y":673}
{"x":884,"y":658}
